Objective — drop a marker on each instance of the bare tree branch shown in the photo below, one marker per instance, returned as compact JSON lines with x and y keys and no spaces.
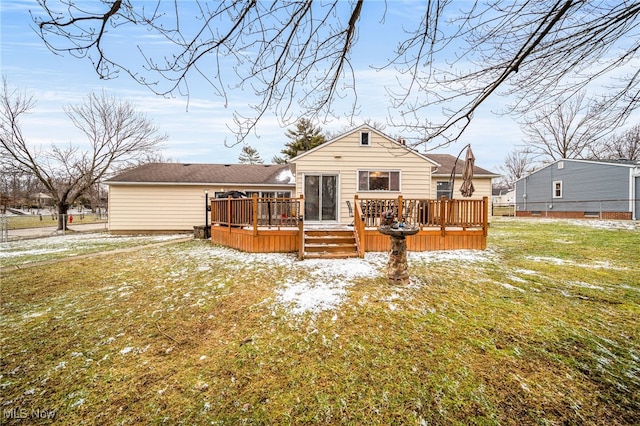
{"x":569,"y":129}
{"x":517,"y":164}
{"x":295,"y":56}
{"x":621,"y":147}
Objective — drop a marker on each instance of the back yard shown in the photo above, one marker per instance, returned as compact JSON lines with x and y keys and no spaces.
{"x":540,"y":328}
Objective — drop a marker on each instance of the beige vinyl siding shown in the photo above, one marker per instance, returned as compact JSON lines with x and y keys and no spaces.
{"x":345,"y":157}
{"x":481,"y":185}
{"x":164,"y":208}
{"x":156,"y":208}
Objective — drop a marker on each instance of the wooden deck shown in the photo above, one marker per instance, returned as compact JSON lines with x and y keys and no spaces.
{"x":263,"y":241}
{"x":274,"y":225}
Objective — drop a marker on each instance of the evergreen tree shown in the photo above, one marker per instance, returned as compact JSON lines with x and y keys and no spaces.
{"x":278,"y":160}
{"x":304,"y":137}
{"x":249,"y":155}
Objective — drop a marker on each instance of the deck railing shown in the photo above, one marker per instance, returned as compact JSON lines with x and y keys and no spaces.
{"x":255,"y":211}
{"x":425,"y":213}
{"x":286,"y":212}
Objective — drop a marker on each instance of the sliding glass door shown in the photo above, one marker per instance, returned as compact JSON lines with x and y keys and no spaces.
{"x":320,"y":197}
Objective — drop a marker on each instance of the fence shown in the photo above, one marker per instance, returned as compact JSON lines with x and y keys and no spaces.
{"x":503,"y":209}
{"x":41,"y":225}
{"x":597,"y":209}
{"x":4,"y":229}
{"x":255,"y":212}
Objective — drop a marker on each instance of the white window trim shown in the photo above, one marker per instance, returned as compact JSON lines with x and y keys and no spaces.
{"x":553,"y":189}
{"x":368,"y":139}
{"x":379,"y":190}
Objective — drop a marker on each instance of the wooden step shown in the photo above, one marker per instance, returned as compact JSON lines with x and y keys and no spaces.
{"x":333,"y":248}
{"x":326,"y":255}
{"x":328,"y":232}
{"x":330,"y":240}
{"x":329,"y":244}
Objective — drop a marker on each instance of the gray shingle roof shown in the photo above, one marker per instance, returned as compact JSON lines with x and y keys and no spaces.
{"x":447,"y":161}
{"x":248,"y":174}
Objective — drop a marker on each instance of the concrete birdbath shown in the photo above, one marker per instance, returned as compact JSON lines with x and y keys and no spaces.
{"x":397,"y":268}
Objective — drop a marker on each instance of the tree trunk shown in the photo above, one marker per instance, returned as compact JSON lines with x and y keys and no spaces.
{"x":63,"y":208}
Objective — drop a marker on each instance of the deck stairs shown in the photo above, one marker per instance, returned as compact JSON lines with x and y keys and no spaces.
{"x":329,"y":244}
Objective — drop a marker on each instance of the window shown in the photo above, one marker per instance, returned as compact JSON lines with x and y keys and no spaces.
{"x":443,"y":188}
{"x":370,"y":180}
{"x":364,"y":138}
{"x":560,"y":165}
{"x":557,"y":189}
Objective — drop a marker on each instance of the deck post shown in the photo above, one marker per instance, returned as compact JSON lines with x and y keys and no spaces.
{"x":358,"y":226}
{"x":443,"y":211}
{"x":485,"y":219}
{"x":254,"y":206}
{"x":400,"y":209}
{"x":229,"y":213}
{"x":301,"y":229}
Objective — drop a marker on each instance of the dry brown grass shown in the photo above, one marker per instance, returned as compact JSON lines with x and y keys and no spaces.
{"x":528,"y":332}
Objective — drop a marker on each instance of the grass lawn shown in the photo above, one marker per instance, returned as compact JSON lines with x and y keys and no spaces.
{"x":541,"y":328}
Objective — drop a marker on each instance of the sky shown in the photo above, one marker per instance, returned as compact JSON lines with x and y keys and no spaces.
{"x":198,"y":127}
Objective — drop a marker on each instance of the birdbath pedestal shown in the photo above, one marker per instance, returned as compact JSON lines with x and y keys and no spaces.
{"x":397,"y":268}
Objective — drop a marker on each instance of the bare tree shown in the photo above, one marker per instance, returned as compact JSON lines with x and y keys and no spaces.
{"x":517,"y":164}
{"x":117,"y":134}
{"x":450,"y":57}
{"x":622,"y":147}
{"x":568,"y":129}
{"x":19,"y":188}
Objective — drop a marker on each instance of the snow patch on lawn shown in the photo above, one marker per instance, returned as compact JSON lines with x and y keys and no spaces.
{"x":133,"y":350}
{"x":32,"y":252}
{"x":326,"y":282}
{"x":309,"y":296}
{"x":324,"y":286}
{"x":563,"y":262}
{"x":64,"y":243}
{"x":467,"y":256}
{"x":627,"y":225}
{"x":327,"y":286}
{"x":511,"y":287}
{"x":583,"y":284}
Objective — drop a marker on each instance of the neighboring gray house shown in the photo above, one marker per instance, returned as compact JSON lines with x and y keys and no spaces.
{"x":581,"y":188}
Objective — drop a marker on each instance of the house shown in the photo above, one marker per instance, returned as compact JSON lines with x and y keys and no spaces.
{"x":441,"y":176}
{"x":503,"y":196}
{"x":171,"y":197}
{"x":362,"y":162}
{"x":167,"y":197}
{"x":503,"y":201}
{"x":570,"y":188}
{"x":370,"y":164}
{"x":361,"y":171}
